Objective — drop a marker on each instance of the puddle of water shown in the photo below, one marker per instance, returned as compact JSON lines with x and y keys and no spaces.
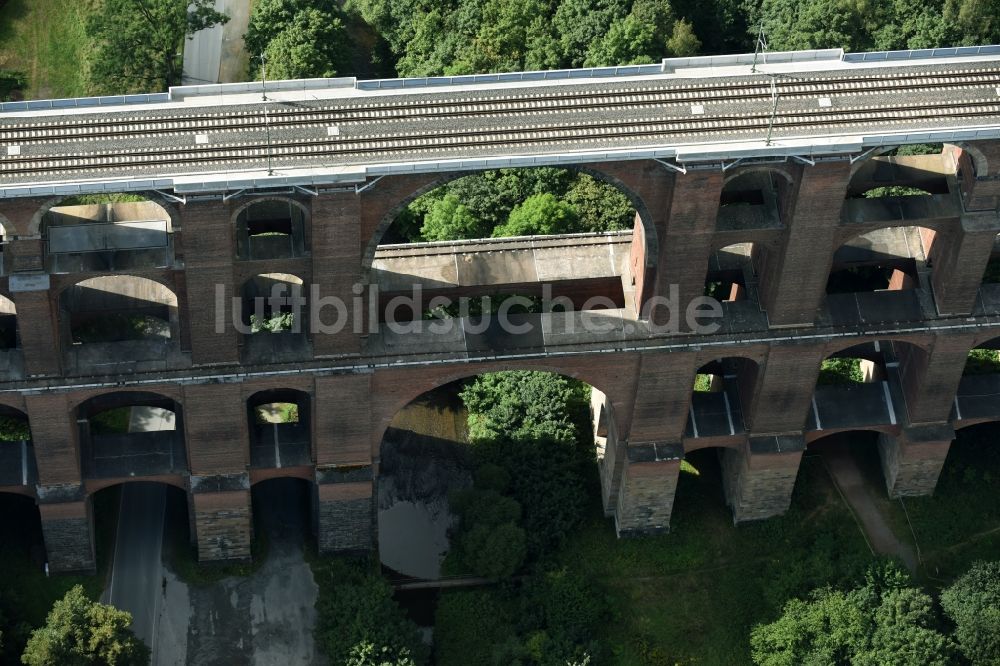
{"x":413,"y":537}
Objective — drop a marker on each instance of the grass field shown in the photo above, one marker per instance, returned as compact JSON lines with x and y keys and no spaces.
{"x":691,"y":596}
{"x":44,"y":39}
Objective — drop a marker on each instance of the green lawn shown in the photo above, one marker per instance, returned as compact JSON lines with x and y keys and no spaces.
{"x":45,"y":40}
{"x":961,"y":521}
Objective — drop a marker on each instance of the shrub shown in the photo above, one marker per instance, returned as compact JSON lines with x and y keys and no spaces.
{"x":973,"y":604}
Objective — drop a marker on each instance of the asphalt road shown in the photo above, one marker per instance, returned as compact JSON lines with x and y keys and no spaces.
{"x":137,"y":571}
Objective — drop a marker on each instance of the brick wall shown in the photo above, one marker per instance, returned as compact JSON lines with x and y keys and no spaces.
{"x":223,"y":525}
{"x":67,"y":529}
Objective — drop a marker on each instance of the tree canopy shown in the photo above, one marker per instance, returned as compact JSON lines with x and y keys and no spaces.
{"x":80,"y":632}
{"x":884,"y":622}
{"x":973,"y":604}
{"x":137,"y":44}
{"x":299,"y":39}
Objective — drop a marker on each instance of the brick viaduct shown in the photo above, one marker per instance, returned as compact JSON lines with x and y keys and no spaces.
{"x":779,"y":326}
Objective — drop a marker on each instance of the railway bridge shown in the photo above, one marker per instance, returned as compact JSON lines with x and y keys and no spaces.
{"x":781,"y":184}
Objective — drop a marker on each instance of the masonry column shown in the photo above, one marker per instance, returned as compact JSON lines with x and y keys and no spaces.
{"x":959,"y":267}
{"x":685,"y":248}
{"x":659,"y":414}
{"x":215,"y":426}
{"x":344,"y":471}
{"x":978,"y":166}
{"x":759,"y":477}
{"x":930,"y":379}
{"x":67,"y":523}
{"x":208,"y":250}
{"x":648,"y":485}
{"x":912,"y":462}
{"x":784,"y":393}
{"x":336,"y":261}
{"x":795,"y":283}
{"x":37,"y":307}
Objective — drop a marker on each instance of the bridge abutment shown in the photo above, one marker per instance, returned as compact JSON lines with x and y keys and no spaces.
{"x":68,"y":529}
{"x":223,"y":525}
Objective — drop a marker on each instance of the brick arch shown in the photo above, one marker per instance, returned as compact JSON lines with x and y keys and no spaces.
{"x":779,"y":169}
{"x":92,"y":486}
{"x":20,"y":491}
{"x":692,"y":445}
{"x":838,"y":346}
{"x":128,"y":398}
{"x":979,"y":161}
{"x":594,"y":378}
{"x":982,"y":338}
{"x":7,"y":227}
{"x":881,"y":150}
{"x":235,"y":212}
{"x":173,"y":215}
{"x":160,"y":281}
{"x":813,"y":436}
{"x":942,"y":230}
{"x":644,"y":218}
{"x":307,"y":474}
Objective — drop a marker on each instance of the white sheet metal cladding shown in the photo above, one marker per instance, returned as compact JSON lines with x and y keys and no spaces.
{"x":342,"y":133}
{"x":96,"y":237}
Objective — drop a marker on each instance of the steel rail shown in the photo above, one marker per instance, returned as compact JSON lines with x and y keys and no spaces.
{"x":345,"y":147}
{"x":307,"y":116}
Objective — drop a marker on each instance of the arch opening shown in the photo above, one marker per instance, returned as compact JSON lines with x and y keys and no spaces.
{"x":975,"y":400}
{"x":279,"y":426}
{"x":722,"y":397}
{"x":887,"y":259}
{"x":284,"y":510}
{"x":754,"y":199}
{"x":271,"y":229}
{"x":274,"y":319}
{"x":9,"y":337}
{"x":131,"y":434}
{"x":733,"y":273}
{"x":917,"y":170}
{"x":867,"y":386}
{"x":590,"y":215}
{"x":506,"y":439}
{"x":90,"y":234}
{"x":17,"y":456}
{"x":113,"y":320}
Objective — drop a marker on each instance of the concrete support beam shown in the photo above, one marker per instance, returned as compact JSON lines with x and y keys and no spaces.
{"x":795,"y":283}
{"x":345,"y":509}
{"x":912,"y":462}
{"x":223,"y":525}
{"x":67,"y":528}
{"x":759,"y":478}
{"x":648,"y":483}
{"x":961,"y":262}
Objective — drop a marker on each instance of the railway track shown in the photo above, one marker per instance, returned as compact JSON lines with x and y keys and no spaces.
{"x":344,"y":149}
{"x":74,"y":129}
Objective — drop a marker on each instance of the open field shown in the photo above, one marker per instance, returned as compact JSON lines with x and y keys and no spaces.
{"x":45,"y":40}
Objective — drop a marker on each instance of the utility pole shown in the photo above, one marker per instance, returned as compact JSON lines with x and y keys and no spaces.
{"x":263,"y":98}
{"x":760,"y":48}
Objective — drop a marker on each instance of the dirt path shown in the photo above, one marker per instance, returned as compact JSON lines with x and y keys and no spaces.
{"x":861,"y":498}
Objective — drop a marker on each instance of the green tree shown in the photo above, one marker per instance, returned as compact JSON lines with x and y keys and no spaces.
{"x":540,"y":214}
{"x":683,"y":41}
{"x":355,"y":606}
{"x":524,"y":405}
{"x":639,"y":38}
{"x":79,"y":631}
{"x":884,"y":622}
{"x":449,"y":219}
{"x":366,"y":654}
{"x":137,"y":43}
{"x":299,"y":38}
{"x":973,"y":604}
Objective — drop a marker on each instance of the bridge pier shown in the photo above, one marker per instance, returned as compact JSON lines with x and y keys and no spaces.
{"x":68,"y":530}
{"x":223,"y":525}
{"x":759,"y":477}
{"x":345,"y":509}
{"x":646,"y":493}
{"x":912,"y":462}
